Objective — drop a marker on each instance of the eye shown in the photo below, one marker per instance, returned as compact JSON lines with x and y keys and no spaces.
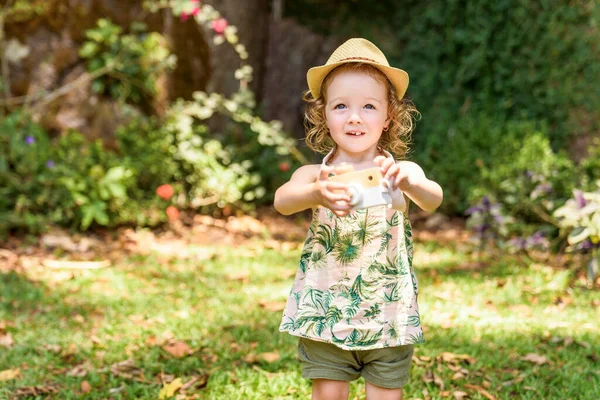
{"x":370,"y":177}
{"x":339,"y":106}
{"x":370,"y":106}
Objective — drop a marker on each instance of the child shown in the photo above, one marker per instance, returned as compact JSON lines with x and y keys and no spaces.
{"x":353,"y":303}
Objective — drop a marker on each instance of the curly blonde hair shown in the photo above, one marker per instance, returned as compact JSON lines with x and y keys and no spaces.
{"x":402,"y":114}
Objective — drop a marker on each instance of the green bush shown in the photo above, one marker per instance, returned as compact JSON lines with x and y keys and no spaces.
{"x":476,"y":65}
{"x":273,"y":168}
{"x":70,"y":182}
{"x":134,"y":61}
{"x":528,"y":178}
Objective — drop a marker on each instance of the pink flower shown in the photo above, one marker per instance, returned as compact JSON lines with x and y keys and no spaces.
{"x":195,"y":11}
{"x":219,"y":25}
{"x":165,"y":192}
{"x":284,"y":166}
{"x":172,"y":213}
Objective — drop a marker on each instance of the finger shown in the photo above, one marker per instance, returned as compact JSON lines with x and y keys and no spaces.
{"x":341,"y":213}
{"x":392,"y":172}
{"x":336,"y":197}
{"x":386,"y":164}
{"x":379,"y":160}
{"x":333,"y":186}
{"x":401,"y":177}
{"x":325,"y":171}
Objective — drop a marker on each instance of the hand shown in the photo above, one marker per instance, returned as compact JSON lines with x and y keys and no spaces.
{"x":331,"y":194}
{"x":399,"y":178}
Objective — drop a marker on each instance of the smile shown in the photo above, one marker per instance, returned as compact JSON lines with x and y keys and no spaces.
{"x":355,"y":133}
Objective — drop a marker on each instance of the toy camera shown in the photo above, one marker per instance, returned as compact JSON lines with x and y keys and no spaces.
{"x":367,"y":187}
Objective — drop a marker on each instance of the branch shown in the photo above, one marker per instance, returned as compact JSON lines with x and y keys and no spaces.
{"x":5,"y":68}
{"x":84,"y":78}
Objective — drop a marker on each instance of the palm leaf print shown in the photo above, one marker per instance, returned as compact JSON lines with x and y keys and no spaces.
{"x":325,"y":237}
{"x":392,"y":332}
{"x":315,"y":298}
{"x":413,"y":320}
{"x":366,"y":228}
{"x":304,"y":258}
{"x":310,"y":321}
{"x":415,"y":338}
{"x":373,"y":312}
{"x":289,"y":325}
{"x":318,"y":259}
{"x":350,"y":310}
{"x":395,"y":294}
{"x":362,"y":289}
{"x":360,"y":338}
{"x":347,"y":249}
{"x":297,"y":298}
{"x":333,"y":316}
{"x":394,"y":220}
{"x":385,"y":241}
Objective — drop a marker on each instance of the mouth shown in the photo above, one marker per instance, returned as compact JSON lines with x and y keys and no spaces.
{"x":355,"y":133}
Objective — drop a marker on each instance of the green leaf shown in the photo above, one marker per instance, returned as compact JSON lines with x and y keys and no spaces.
{"x":88,"y":49}
{"x":578,"y":235}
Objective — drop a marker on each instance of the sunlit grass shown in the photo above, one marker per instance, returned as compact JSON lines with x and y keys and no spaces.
{"x":496,"y":311}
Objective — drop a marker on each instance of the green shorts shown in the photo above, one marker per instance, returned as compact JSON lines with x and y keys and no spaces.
{"x":388,"y":367}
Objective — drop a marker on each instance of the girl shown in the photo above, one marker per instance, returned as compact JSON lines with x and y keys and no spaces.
{"x":353,"y":303}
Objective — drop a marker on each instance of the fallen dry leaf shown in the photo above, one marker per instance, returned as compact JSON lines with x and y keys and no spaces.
{"x":80,"y":370}
{"x":459,"y":395}
{"x":431,"y":377}
{"x":458,"y":375}
{"x":9,"y":374}
{"x":273,"y":305}
{"x":243,"y":276}
{"x":270,"y":357}
{"x":36,"y":390}
{"x":197,"y":382}
{"x":535,"y":358}
{"x":177,"y":348}
{"x":126,"y":369}
{"x":481,"y":390}
{"x":169,"y":389}
{"x":6,"y":340}
{"x":454,"y":358}
{"x":86,"y":387}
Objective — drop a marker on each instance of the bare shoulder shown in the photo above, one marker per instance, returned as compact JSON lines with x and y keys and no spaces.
{"x":410,"y":165}
{"x":306,"y":173}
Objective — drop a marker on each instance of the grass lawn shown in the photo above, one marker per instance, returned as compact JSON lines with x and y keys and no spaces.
{"x":208,"y":319}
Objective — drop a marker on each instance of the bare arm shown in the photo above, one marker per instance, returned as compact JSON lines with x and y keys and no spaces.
{"x":310,"y":187}
{"x":426,"y":193}
{"x":410,"y":178}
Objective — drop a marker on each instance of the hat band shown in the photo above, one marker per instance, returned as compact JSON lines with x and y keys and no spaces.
{"x":358,"y":58}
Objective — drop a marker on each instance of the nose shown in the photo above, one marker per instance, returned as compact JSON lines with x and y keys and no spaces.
{"x":354,"y":118}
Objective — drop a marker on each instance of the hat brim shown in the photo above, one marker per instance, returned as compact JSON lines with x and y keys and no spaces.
{"x":316,"y":75}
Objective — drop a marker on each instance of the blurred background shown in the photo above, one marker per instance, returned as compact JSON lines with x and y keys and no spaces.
{"x":141,"y":143}
{"x":131,"y":113}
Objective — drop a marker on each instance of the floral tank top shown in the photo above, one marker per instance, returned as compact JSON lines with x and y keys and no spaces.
{"x":355,"y":286}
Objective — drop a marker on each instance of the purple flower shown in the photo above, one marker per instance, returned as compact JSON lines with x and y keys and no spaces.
{"x":473,"y":210}
{"x":30,"y":140}
{"x":486,"y":201}
{"x":579,"y":199}
{"x":482,"y":228}
{"x":50,"y":164}
{"x":518,"y":243}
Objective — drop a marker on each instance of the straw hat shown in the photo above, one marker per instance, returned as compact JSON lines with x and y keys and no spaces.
{"x":357,"y":50}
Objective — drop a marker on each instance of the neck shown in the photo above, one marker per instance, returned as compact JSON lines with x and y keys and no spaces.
{"x":364,"y":158}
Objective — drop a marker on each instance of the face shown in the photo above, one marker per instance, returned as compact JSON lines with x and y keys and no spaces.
{"x":356,"y":111}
